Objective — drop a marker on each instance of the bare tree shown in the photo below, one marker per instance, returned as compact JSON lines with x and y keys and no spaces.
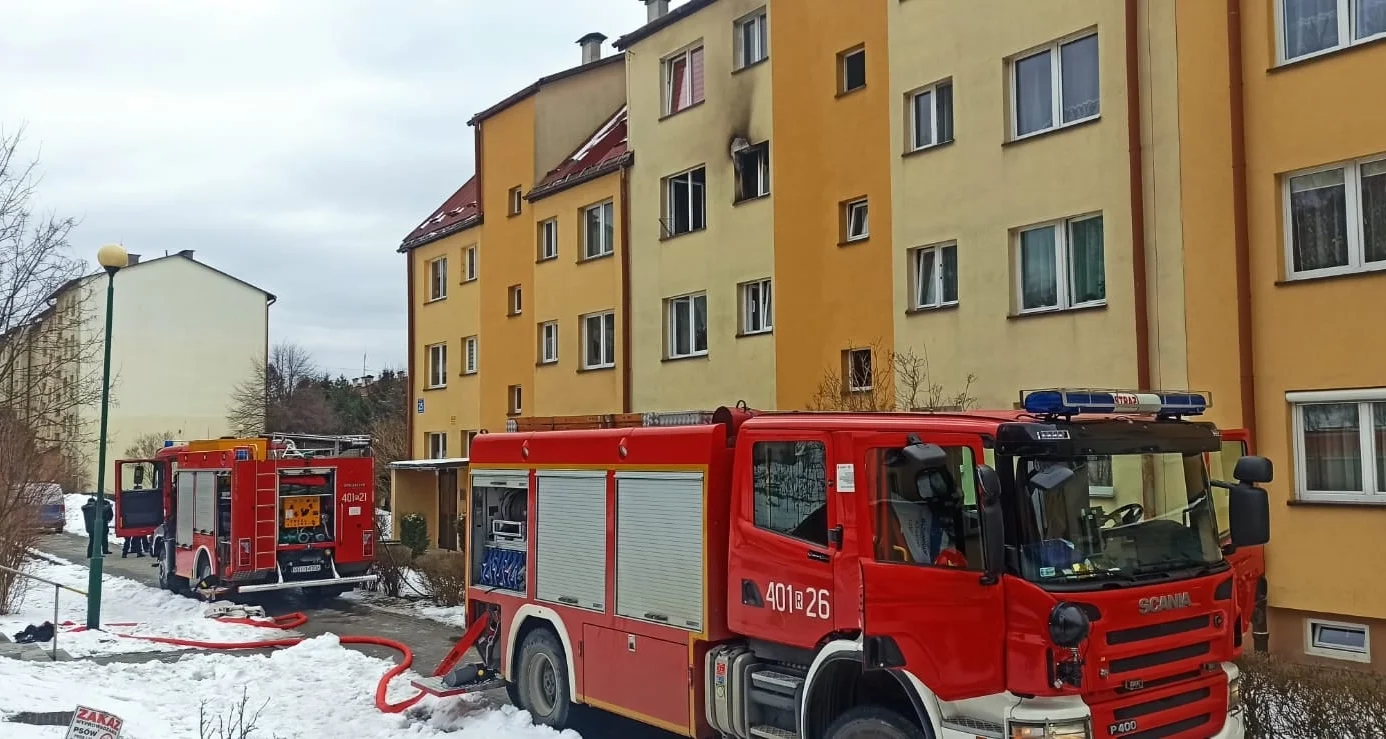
{"x":281,"y":394}
{"x":389,"y":444}
{"x":879,"y":378}
{"x":145,"y":446}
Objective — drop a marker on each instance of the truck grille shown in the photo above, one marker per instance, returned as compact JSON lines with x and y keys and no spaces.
{"x":1183,"y":710}
{"x":1156,"y":631}
{"x":1163,"y":657}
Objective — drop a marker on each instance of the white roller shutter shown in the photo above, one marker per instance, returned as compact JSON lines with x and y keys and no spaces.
{"x":205,"y":516}
{"x":187,"y":504}
{"x":659,"y":548}
{"x":570,"y":525}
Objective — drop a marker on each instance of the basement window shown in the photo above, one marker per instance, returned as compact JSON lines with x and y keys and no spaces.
{"x":1335,"y":640}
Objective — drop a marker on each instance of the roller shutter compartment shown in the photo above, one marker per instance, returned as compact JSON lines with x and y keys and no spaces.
{"x":659,"y":548}
{"x":570,"y":526}
{"x":187,"y":504}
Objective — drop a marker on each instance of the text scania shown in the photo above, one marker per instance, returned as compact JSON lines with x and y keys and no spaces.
{"x":1158,"y":603}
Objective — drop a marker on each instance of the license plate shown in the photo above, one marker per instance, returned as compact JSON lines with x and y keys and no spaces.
{"x":305,"y":568}
{"x":301,"y":511}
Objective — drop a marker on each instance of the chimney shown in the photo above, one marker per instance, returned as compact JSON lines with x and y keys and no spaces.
{"x":655,"y":9}
{"x":591,"y":47}
{"x":186,"y":253}
{"x":134,"y":259}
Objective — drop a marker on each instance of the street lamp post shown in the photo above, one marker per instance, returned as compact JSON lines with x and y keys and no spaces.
{"x":112,"y":258}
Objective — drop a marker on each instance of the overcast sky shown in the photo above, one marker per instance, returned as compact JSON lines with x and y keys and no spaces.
{"x":290,"y":143}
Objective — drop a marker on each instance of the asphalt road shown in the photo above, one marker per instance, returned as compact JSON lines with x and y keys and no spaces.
{"x":429,"y":640}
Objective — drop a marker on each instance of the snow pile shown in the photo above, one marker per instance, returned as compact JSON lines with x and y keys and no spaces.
{"x":157,"y":613}
{"x":314,"y":690}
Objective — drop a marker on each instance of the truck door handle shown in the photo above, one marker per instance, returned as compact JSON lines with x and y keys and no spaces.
{"x":817,"y":556}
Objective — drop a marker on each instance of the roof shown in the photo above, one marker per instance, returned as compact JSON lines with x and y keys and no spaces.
{"x":607,"y":150}
{"x":531,"y":89}
{"x":459,"y":212}
{"x":429,"y":464}
{"x":664,"y":21}
{"x":185,"y":254}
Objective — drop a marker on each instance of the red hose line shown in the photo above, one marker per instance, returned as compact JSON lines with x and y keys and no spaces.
{"x":288,"y":622}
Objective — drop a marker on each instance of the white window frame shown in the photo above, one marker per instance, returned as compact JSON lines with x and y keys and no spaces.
{"x":932,"y":92}
{"x":437,"y":365}
{"x":608,"y":341}
{"x":548,"y":239}
{"x":545,"y":329}
{"x":762,"y":165}
{"x":675,"y":304}
{"x":669,"y":198}
{"x":842,"y":70}
{"x":1063,"y":254}
{"x":1347,"y":17}
{"x":1356,"y":219}
{"x":933,"y":252}
{"x":515,"y":395}
{"x":469,"y":256}
{"x":1056,"y":84}
{"x":666,"y":75}
{"x":467,"y":438}
{"x":761,"y":50}
{"x":848,"y":209}
{"x":1313,"y":647}
{"x":515,"y":300}
{"x":470,"y":355}
{"x":603,"y":249}
{"x":437,"y":279}
{"x":437,"y":444}
{"x":764,"y":300}
{"x":851,"y":378}
{"x":517,"y":200}
{"x":1373,"y":490}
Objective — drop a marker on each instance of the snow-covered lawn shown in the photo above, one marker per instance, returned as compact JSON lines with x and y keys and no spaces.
{"x":157,"y":612}
{"x":314,"y":690}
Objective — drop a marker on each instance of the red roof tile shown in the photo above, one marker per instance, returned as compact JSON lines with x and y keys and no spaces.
{"x":456,"y":213}
{"x":606,"y":150}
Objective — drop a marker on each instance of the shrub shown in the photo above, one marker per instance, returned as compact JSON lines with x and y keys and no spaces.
{"x":392,"y":560}
{"x":445,"y":576}
{"x":413,"y":532}
{"x":1288,"y":699}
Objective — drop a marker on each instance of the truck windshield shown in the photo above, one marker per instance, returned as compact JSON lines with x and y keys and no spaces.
{"x":1125,"y":516}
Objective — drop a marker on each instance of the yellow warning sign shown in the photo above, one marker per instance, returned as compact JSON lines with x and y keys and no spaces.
{"x":301,"y":511}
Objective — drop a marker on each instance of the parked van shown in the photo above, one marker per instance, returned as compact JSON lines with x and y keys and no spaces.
{"x":52,"y":510}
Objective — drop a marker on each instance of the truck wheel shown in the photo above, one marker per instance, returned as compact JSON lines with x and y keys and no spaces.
{"x":168,"y":577}
{"x":873,"y":722}
{"x":543,"y":679}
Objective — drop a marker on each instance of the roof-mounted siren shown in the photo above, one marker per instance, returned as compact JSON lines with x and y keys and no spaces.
{"x":1162,"y":404}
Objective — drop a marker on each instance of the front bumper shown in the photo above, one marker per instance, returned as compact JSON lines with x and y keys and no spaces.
{"x":1233,"y":728}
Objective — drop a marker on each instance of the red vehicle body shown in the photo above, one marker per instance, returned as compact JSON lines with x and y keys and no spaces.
{"x":768,"y":575}
{"x":250,"y":515}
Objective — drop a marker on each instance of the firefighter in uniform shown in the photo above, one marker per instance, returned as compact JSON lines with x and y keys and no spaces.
{"x":90,"y":521}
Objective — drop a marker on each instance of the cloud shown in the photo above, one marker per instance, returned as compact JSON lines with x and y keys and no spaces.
{"x":292,"y":144}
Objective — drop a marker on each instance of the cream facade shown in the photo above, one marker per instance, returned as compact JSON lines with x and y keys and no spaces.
{"x":700,"y":237}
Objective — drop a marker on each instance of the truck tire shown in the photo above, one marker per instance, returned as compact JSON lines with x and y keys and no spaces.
{"x":873,"y":722}
{"x":168,"y":576}
{"x":543,"y":680}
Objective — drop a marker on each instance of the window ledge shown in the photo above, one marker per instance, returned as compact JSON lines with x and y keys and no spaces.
{"x":845,"y":93}
{"x":1333,"y":52}
{"x":431,"y":301}
{"x":752,"y":65}
{"x":431,"y":388}
{"x":671,"y":237}
{"x":509,"y":314}
{"x":546,"y":363}
{"x":751,"y":199}
{"x":854,"y":242}
{"x":667,"y":116}
{"x":1051,"y":131}
{"x":541,"y":260}
{"x":704,"y":355}
{"x":1364,"y":503}
{"x":1354,"y":274}
{"x":596,"y":257}
{"x":468,"y":374}
{"x":931,"y":308}
{"x":927,"y":149}
{"x":749,"y":334}
{"x":468,"y":281}
{"x":598,"y":368}
{"x":1057,"y":311}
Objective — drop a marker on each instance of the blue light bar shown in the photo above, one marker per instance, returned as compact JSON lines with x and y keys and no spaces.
{"x":1077,"y":402}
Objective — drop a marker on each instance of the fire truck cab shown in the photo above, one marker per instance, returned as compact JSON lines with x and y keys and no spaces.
{"x":253,"y":514}
{"x":1053,"y":572}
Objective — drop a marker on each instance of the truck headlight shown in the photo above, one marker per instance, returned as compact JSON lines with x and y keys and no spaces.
{"x":1072,"y":729}
{"x":1234,"y":694}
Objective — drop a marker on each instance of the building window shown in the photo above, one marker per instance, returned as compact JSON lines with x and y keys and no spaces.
{"x":851,"y":70}
{"x":1335,"y":218}
{"x":931,"y":115}
{"x":469,"y":352}
{"x":548,"y":239}
{"x":857,"y":371}
{"x":515,"y":395}
{"x":469,"y":263}
{"x":467,"y":438}
{"x":438,"y":365}
{"x":1340,"y":445}
{"x":683,"y":80}
{"x":687,"y":319}
{"x":935,"y":276}
{"x":753,"y":171}
{"x":686,"y":195}
{"x":1335,"y":640}
{"x":1055,"y":86}
{"x":756,"y":307}
{"x":515,"y":304}
{"x":855,"y":225}
{"x":791,"y":488}
{"x":548,"y":342}
{"x":1061,"y":265}
{"x":599,"y":340}
{"x":600,"y":234}
{"x":517,"y":200}
{"x":438,"y":445}
{"x":438,"y":279}
{"x":1311,"y":27}
{"x":752,"y":39}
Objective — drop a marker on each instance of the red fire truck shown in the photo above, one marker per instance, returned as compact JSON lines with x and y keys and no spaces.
{"x":254,"y":514}
{"x":1055,"y":572}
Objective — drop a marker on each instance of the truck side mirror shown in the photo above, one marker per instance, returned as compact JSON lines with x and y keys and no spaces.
{"x":1251,"y":470}
{"x":1249,"y":511}
{"x":925,"y":456}
{"x":993,"y":524}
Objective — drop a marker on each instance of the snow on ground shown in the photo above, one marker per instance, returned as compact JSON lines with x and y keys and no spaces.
{"x":414,"y":601}
{"x":158,"y":613}
{"x":316,"y":689}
